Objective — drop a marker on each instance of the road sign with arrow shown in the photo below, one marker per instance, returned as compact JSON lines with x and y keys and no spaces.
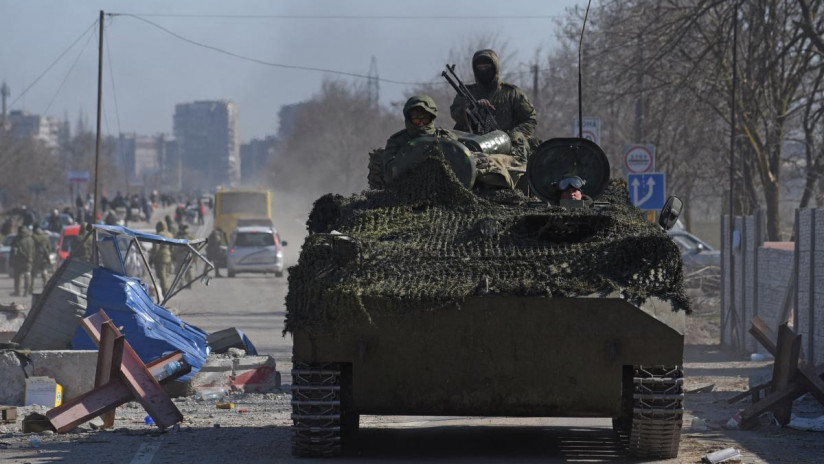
{"x":647,"y":191}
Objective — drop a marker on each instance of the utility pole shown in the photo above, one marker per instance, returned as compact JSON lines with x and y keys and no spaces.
{"x":732,"y":313}
{"x":4,"y":91}
{"x":639,"y":99}
{"x":373,"y":84}
{"x":99,"y":119}
{"x":534,"y":69}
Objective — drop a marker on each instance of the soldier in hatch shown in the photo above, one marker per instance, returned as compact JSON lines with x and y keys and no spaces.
{"x":419,"y":114}
{"x":513,"y":112}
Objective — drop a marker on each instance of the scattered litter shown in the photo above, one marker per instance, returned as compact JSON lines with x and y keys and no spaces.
{"x":698,"y":425}
{"x":226,"y":405}
{"x":807,"y":424}
{"x":704,"y":389}
{"x":214,"y":394}
{"x":734,"y":423}
{"x":241,"y":411}
{"x":724,"y":455}
{"x":148,"y":420}
{"x":34,"y":442}
{"x":757,"y":357}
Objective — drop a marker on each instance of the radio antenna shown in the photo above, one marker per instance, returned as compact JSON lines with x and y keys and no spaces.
{"x":580,"y":98}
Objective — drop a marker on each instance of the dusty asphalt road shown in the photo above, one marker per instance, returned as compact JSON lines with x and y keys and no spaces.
{"x":255,"y":304}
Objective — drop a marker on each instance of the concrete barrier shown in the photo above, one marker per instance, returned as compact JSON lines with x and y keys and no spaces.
{"x":73,"y":369}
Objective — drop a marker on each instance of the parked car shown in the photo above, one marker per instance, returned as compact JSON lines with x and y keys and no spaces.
{"x":255,"y":249}
{"x":696,"y":253}
{"x":68,"y":236}
{"x":5,"y":251}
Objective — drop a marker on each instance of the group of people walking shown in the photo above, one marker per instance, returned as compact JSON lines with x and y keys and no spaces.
{"x":30,"y":257}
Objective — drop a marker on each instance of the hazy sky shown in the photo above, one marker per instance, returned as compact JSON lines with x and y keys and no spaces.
{"x":148,"y":71}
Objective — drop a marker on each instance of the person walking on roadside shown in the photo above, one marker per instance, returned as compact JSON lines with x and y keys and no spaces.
{"x":22,"y":258}
{"x":41,"y":266}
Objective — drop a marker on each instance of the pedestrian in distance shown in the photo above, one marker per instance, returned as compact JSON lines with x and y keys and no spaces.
{"x":41,"y":265}
{"x":22,"y":258}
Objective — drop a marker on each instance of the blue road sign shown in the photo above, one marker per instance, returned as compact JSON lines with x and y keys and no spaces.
{"x":647,"y":191}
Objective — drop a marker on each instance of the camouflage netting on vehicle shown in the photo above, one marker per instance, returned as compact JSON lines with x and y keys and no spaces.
{"x":431,"y":242}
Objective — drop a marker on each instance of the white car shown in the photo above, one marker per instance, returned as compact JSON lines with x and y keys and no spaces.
{"x":255,"y":249}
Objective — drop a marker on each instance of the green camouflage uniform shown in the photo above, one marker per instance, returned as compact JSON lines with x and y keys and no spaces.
{"x":514,"y":114}
{"x":42,"y":264}
{"x":161,"y":259}
{"x":22,"y":259}
{"x":170,"y":225}
{"x":213,"y":249}
{"x":396,"y":144}
{"x":179,"y":255}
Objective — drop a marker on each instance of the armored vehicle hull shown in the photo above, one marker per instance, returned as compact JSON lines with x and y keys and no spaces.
{"x":431,"y":299}
{"x":544,"y":357}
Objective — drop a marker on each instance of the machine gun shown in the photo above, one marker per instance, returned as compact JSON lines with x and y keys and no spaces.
{"x":480,"y":119}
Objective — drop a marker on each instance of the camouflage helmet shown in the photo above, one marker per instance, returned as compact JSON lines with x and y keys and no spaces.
{"x":422,"y":101}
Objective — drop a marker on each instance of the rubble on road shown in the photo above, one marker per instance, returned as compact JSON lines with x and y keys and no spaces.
{"x":11,"y":319}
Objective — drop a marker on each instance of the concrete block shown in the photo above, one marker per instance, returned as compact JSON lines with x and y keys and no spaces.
{"x":73,"y":369}
{"x":253,"y":374}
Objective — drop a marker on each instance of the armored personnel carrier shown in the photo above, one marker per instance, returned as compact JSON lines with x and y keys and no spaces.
{"x":430,"y":298}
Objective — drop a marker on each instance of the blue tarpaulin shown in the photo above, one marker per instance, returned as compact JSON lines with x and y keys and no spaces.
{"x":150,"y":329}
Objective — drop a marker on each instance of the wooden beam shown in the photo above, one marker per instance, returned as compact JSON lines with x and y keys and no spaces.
{"x":763,"y":334}
{"x":792,"y":391}
{"x":81,"y":409}
{"x":785,"y":369}
{"x":138,"y":379}
{"x":109,"y":357}
{"x":811,"y":379}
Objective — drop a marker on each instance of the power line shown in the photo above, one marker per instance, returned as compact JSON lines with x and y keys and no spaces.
{"x":268,"y":63}
{"x":53,"y":63}
{"x":114,"y":90}
{"x":68,"y":73}
{"x":346,"y":17}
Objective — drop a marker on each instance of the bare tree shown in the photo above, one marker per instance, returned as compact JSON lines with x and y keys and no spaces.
{"x":328,"y":148}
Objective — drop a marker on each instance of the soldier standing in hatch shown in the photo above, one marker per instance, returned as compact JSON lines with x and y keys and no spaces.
{"x":513,"y":112}
{"x":419,"y":115}
{"x":22,"y":258}
{"x":42,"y":249}
{"x":161,"y":259}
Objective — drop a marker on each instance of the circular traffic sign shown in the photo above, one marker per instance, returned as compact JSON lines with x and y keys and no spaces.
{"x":638,"y":159}
{"x":590,"y":135}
